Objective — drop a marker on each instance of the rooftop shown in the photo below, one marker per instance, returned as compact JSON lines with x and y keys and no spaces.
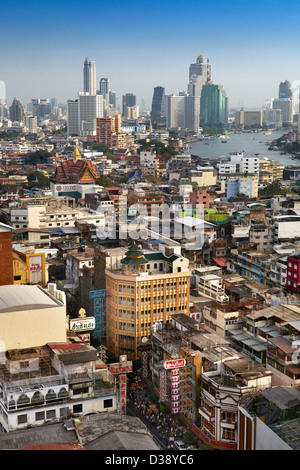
{"x":23,"y":297}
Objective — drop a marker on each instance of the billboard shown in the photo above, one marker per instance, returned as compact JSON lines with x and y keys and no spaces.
{"x":36,"y":267}
{"x":82,"y":324}
{"x":174,"y":363}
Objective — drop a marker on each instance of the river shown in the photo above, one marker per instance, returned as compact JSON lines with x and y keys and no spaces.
{"x":251,"y":143}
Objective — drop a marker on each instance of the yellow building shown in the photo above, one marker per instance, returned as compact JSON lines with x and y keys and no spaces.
{"x":20,"y":269}
{"x":151,"y":287}
{"x":36,"y":267}
{"x":273,"y":167}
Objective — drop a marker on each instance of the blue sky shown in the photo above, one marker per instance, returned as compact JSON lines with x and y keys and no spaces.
{"x":252,"y":46}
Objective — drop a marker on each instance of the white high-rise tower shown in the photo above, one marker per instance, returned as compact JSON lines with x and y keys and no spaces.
{"x":201,"y":67}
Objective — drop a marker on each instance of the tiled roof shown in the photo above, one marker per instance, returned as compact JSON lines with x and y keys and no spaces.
{"x":75,"y":171}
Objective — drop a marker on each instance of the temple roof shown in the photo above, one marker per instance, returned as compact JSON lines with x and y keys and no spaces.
{"x":75,"y":171}
{"x":134,"y":256}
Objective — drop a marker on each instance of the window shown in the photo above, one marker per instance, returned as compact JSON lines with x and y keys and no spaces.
{"x":40,"y":416}
{"x":64,"y":412}
{"x":108,"y":403}
{"x":79,"y":391}
{"x":50,"y":414}
{"x":77,"y":408}
{"x":22,"y":419}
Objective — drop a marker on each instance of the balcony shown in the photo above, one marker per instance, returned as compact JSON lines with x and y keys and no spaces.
{"x":206,"y":414}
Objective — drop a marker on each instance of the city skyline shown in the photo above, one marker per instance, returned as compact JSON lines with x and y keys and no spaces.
{"x":251,"y":48}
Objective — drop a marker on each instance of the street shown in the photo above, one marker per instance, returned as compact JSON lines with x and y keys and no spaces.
{"x":163,"y":426}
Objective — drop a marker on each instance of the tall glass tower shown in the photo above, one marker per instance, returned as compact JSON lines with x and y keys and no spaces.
{"x":104,"y":87}
{"x":158,"y":105}
{"x":213,"y":105}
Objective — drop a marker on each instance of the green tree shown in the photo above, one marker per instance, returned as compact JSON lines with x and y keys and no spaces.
{"x":104,"y":181}
{"x":189,"y":437}
{"x":38,"y":157}
{"x":8,"y":135}
{"x":159,"y":147}
{"x":173,"y":135}
{"x":292,"y":147}
{"x":38,"y":179}
{"x":274,"y":189}
{"x":106,"y":150}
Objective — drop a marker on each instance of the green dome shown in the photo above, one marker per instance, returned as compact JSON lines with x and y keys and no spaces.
{"x":134,"y":256}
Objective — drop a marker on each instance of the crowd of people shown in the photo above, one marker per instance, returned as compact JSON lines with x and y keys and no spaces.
{"x":164,"y":425}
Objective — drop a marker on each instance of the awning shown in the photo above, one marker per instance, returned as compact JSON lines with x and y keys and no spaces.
{"x":70,"y":230}
{"x":56,"y":231}
{"x":221,"y":262}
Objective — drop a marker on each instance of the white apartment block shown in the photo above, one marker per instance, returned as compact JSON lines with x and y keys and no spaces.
{"x":249,"y":165}
{"x":278,"y":271}
{"x":286,"y":227}
{"x":43,"y":216}
{"x":226,"y":168}
{"x":244,"y":164}
{"x":212,"y":286}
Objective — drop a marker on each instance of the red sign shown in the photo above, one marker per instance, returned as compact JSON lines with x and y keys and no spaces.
{"x":35,"y":267}
{"x":174,"y":364}
{"x":120,"y":368}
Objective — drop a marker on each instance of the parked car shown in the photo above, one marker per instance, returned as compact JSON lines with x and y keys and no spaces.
{"x":180,"y":445}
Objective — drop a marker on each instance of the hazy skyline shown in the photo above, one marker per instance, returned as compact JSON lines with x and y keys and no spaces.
{"x":252,"y":47}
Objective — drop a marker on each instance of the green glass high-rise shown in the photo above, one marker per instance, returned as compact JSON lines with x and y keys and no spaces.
{"x":213,"y":105}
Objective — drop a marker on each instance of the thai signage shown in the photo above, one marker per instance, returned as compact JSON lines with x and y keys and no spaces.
{"x":163,"y":385}
{"x":119,"y":370}
{"x":82,"y":324}
{"x":94,"y":294}
{"x":174,"y":366}
{"x":98,"y":296}
{"x":120,"y":367}
{"x":36,"y":265}
{"x":174,"y":363}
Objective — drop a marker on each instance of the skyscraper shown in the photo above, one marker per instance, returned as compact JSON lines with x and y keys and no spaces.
{"x":128,"y":101}
{"x":104,"y":87}
{"x":199,"y":75}
{"x":285,"y":90}
{"x":213,"y":105}
{"x":113,"y":99}
{"x":41,"y":107}
{"x":286,"y":106}
{"x":175,"y":111}
{"x":16,"y":111}
{"x":89,"y":77}
{"x":192,"y":112}
{"x":72,"y":117}
{"x":90,"y":107}
{"x":104,"y":91}
{"x":201,"y":68}
{"x":158,"y":115}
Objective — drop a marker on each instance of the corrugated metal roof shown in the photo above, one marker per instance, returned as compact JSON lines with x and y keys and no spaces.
{"x":22,"y":297}
{"x":56,"y":446}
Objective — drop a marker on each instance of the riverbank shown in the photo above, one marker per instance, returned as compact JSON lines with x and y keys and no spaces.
{"x":251,"y":143}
